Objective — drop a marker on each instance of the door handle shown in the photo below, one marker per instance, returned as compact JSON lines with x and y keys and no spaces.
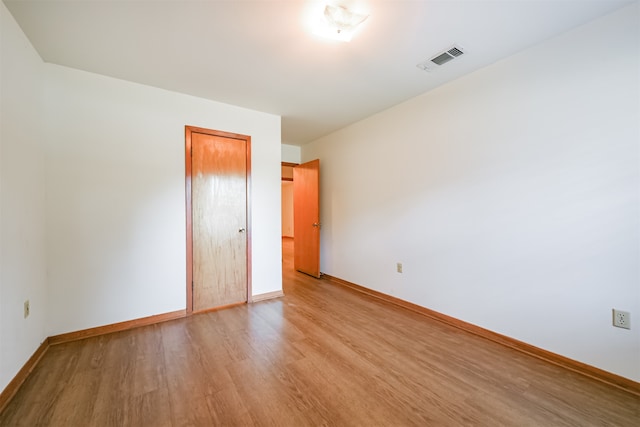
{"x":317,"y":224}
{"x":242,"y":230}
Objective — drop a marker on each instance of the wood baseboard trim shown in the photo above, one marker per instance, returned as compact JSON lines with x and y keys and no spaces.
{"x":562,"y":361}
{"x":267,"y":296}
{"x":116,"y":327}
{"x":221,"y":307}
{"x":12,"y":388}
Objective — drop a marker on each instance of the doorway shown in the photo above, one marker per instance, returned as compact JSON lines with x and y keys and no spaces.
{"x":286,"y":191}
{"x":217,"y":166}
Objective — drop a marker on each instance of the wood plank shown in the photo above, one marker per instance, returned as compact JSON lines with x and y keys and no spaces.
{"x":573,"y":365}
{"x":321,"y":355}
{"x":266,"y":296}
{"x":115,"y":327}
{"x":11,"y":389}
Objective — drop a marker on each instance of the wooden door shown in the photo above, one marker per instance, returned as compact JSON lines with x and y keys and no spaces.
{"x":306,"y":218}
{"x":217,"y":174}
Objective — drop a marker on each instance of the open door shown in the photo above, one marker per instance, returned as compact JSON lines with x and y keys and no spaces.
{"x":306,"y":218}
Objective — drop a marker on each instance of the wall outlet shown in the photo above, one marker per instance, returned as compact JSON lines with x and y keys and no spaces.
{"x":399,"y":267}
{"x":26,"y":309}
{"x":621,"y":319}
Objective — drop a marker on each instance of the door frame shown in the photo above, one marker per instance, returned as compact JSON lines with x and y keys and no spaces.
{"x":287,"y":164}
{"x":189,"y":130}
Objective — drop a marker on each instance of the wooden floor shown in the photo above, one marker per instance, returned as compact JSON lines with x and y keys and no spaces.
{"x":322,"y":355}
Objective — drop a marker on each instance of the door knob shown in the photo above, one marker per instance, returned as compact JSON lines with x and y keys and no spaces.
{"x":317,"y":224}
{"x":242,"y":230}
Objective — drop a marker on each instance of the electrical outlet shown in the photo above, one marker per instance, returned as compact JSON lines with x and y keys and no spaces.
{"x":399,"y":267}
{"x":621,"y":319}
{"x":26,"y":309}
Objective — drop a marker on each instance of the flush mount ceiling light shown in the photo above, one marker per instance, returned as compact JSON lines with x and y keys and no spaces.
{"x":339,"y":23}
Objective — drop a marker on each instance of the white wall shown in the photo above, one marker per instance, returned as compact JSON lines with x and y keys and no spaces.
{"x":510,"y":195}
{"x":290,"y":153}
{"x":22,"y":200}
{"x":116,"y":196}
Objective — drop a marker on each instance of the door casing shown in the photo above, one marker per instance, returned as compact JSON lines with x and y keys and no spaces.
{"x":189,"y":130}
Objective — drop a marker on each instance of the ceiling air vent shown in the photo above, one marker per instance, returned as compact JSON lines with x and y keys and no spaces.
{"x":441,"y":58}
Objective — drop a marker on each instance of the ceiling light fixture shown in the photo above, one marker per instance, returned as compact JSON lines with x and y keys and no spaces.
{"x":339,"y":23}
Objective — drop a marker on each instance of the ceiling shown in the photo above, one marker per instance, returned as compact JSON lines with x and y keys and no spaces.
{"x":260,"y":54}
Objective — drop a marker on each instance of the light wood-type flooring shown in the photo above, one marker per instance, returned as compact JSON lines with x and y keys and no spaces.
{"x":322,"y":355}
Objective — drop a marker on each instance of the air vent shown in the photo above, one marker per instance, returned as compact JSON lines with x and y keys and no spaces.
{"x":455,"y":51}
{"x":441,"y":58}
